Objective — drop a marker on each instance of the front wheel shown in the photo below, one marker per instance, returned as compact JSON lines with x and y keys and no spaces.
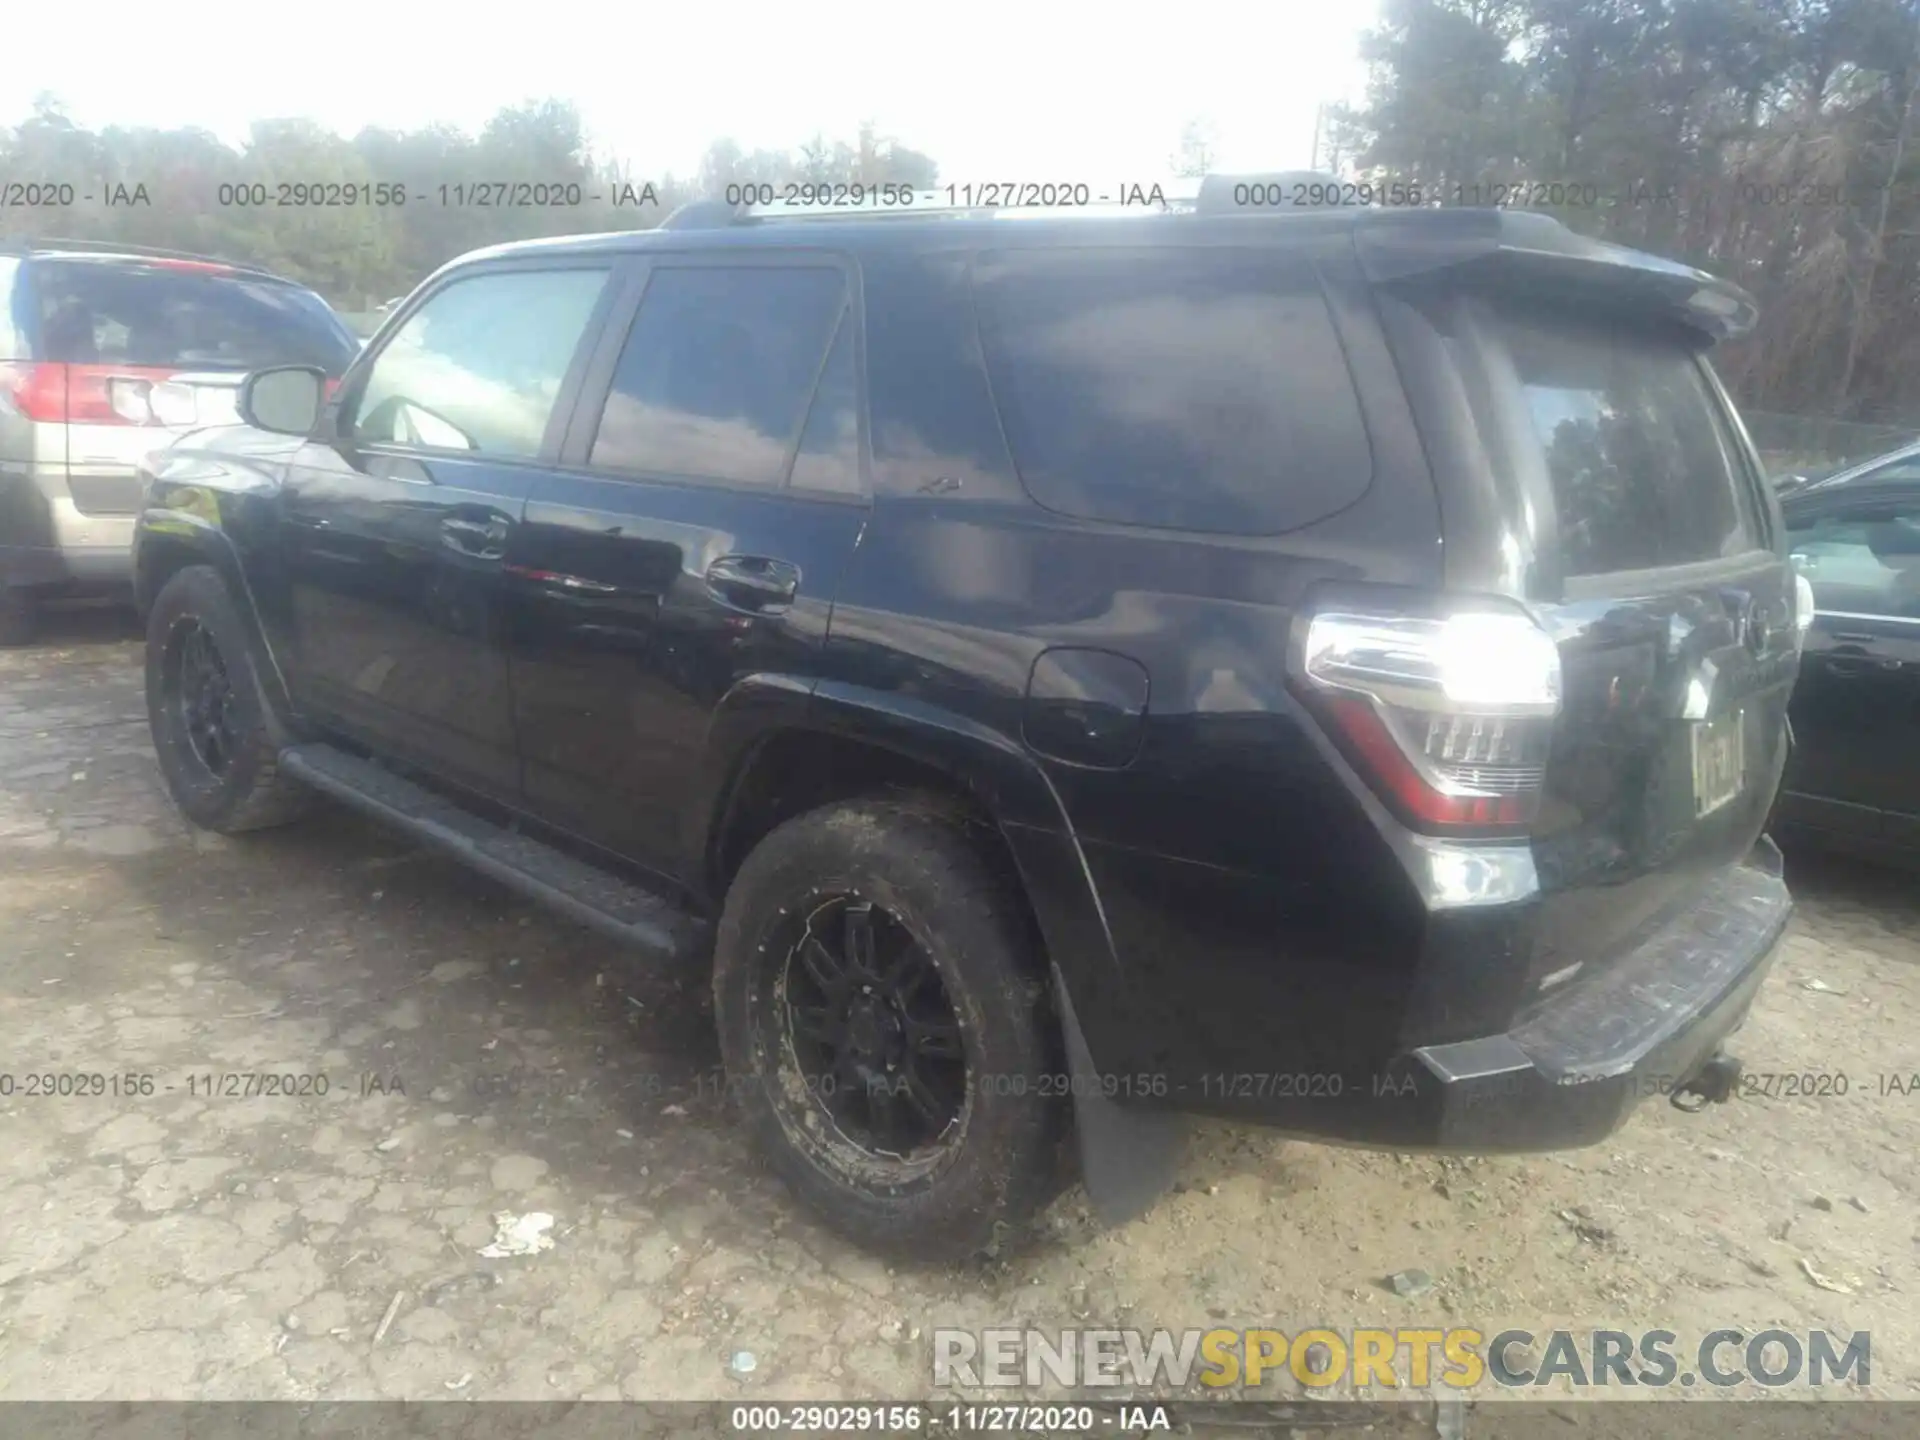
{"x":217,"y":743}
{"x":885,"y":1029}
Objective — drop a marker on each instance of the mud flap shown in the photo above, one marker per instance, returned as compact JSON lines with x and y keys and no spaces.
{"x":1128,"y":1157}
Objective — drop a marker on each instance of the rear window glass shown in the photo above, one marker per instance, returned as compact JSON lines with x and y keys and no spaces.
{"x":718,"y":371}
{"x":1643,"y":470}
{"x":93,"y":313}
{"x":1197,"y":389}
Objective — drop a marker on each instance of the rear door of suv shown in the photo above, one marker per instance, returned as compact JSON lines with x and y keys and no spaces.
{"x":710,"y":491}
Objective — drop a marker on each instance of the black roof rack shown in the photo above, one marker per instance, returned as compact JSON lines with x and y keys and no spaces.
{"x":701,"y":215}
{"x":120,"y":247}
{"x":1524,"y":250}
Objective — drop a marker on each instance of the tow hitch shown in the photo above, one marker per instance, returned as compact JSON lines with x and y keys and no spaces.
{"x":1712,"y":1084}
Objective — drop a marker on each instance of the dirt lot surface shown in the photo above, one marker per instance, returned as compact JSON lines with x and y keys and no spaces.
{"x":478,"y":1056}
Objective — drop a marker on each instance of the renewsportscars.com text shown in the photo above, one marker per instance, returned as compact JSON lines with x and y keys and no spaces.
{"x":1460,"y":1358}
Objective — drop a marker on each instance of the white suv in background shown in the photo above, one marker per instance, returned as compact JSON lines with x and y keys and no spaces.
{"x":108,"y":352}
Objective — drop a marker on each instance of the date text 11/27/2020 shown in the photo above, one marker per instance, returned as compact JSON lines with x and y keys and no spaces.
{"x":196,"y":1084}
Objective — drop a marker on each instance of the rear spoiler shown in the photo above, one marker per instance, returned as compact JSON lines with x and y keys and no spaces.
{"x":1520,"y":252}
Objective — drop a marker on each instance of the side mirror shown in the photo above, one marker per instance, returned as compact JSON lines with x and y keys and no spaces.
{"x":286,"y":399}
{"x":1787,"y":484}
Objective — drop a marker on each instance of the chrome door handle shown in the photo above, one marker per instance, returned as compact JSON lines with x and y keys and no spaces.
{"x":485,"y":539}
{"x":754,"y":582}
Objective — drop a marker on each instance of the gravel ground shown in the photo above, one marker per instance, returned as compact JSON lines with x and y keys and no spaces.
{"x":478,"y":1056}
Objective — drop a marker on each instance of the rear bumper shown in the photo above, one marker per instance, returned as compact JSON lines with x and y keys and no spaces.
{"x":1566,"y":1073}
{"x":1571,"y":1072}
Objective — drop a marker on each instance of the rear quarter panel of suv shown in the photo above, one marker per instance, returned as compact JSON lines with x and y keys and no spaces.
{"x":1247,"y":915}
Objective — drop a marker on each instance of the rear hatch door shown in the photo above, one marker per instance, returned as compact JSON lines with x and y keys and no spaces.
{"x":1674,"y":613}
{"x":1590,"y":464}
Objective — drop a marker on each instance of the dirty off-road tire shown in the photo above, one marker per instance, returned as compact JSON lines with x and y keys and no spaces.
{"x":884,"y":1022}
{"x":217,"y":742}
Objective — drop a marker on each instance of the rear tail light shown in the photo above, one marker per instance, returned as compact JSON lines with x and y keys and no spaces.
{"x":130,"y":400}
{"x":114,"y":394}
{"x":1448,"y":717}
{"x":92,"y":394}
{"x":39,"y":392}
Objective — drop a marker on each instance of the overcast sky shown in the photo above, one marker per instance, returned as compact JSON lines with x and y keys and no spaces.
{"x":997,"y":89}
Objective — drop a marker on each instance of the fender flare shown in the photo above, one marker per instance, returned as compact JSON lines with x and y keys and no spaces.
{"x":168,"y":539}
{"x":992,"y":767}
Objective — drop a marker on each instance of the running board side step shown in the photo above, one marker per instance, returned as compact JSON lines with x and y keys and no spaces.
{"x":614,"y":906}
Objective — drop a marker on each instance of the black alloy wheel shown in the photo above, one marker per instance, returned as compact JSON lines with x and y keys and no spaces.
{"x":870,"y":1028}
{"x":882,"y":1002}
{"x":203,"y":692}
{"x":216,"y":737}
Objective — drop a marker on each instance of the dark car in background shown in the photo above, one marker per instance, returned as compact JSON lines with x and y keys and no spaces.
{"x":1854,"y":779}
{"x":1328,"y":669}
{"x":108,"y":352}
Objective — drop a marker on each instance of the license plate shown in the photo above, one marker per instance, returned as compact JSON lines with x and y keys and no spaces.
{"x":1719,"y":761}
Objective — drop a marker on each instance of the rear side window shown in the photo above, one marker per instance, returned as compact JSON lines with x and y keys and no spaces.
{"x":719,"y":371}
{"x":1197,"y":389}
{"x":1642,"y":464}
{"x":101,"y":313}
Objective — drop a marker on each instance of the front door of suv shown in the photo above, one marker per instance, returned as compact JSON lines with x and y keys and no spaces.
{"x":710,"y":494}
{"x":1856,"y":708}
{"x":398,"y":526}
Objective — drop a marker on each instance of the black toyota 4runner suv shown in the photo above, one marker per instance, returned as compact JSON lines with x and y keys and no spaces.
{"x":1328,"y":669}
